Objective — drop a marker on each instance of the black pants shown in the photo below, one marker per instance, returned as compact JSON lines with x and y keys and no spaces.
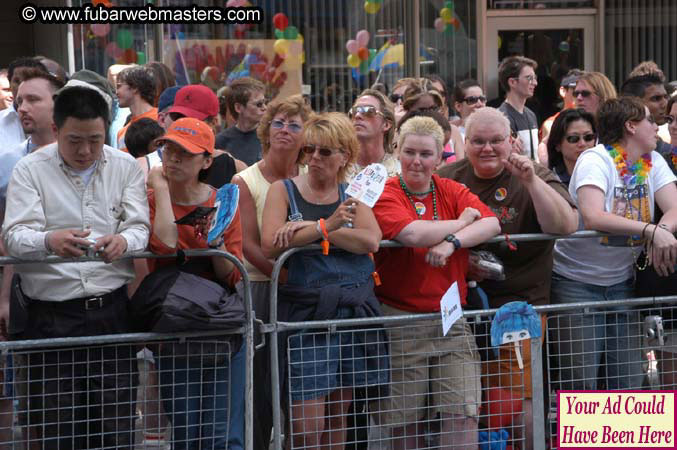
{"x":81,"y":397}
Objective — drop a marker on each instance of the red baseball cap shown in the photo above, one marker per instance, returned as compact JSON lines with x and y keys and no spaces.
{"x":191,"y":134}
{"x":196,"y":101}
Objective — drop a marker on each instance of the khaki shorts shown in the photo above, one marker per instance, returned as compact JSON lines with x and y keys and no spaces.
{"x":505,"y":372}
{"x":430,"y":373}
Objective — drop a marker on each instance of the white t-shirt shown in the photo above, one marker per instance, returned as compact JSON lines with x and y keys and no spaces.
{"x":610,"y":261}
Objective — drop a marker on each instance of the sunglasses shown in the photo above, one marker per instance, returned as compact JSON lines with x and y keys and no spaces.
{"x":396,"y":98}
{"x":293,"y":127}
{"x":574,"y":138}
{"x":669,"y":119}
{"x":584,"y":94}
{"x":474,"y":99}
{"x":323,"y":151}
{"x":367,"y":111}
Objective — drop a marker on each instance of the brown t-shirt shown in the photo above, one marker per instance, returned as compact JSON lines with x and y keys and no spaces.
{"x":527,"y":269}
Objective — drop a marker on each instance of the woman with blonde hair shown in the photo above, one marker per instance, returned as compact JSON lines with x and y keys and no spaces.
{"x":335,"y":283}
{"x":593,"y":89}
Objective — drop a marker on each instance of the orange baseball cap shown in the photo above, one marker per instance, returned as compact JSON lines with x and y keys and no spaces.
{"x":193,"y":135}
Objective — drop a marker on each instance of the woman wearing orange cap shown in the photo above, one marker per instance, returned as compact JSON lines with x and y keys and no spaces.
{"x":195,"y":398}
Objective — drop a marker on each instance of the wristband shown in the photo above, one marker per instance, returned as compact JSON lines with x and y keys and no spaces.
{"x":325,"y":237}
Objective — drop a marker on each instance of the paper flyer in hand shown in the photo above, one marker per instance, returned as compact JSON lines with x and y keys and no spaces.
{"x":226,"y":206}
{"x":450,"y":308}
{"x":367,"y":186}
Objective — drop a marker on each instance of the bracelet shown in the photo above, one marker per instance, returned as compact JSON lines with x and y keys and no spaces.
{"x":325,"y":237}
{"x":645,"y":227}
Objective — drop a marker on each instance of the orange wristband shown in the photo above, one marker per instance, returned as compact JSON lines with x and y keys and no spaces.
{"x":325,"y":237}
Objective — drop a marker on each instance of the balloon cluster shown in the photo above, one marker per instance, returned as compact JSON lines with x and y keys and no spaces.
{"x":372,"y":6}
{"x":285,"y":34}
{"x":447,"y":20}
{"x":240,"y":28}
{"x":359,"y":55}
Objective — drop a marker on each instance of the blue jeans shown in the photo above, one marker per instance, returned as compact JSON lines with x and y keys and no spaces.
{"x":197,"y":398}
{"x":580,"y":338}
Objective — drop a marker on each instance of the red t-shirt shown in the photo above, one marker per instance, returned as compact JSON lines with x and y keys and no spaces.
{"x":407,"y":281}
{"x":187,"y":239}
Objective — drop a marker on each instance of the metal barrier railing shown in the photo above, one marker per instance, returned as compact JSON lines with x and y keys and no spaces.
{"x":539,"y":411}
{"x":106,"y":341}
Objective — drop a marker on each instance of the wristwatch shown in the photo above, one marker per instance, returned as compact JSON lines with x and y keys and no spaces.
{"x":451,"y":238}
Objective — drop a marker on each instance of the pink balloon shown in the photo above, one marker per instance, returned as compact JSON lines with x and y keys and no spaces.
{"x":235,"y":3}
{"x":352,"y":46}
{"x":439,"y":24}
{"x":113,"y":51}
{"x":100,"y":29}
{"x":362,"y":38}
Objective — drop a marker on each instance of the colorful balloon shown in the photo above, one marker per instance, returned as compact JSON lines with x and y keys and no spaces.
{"x":449,"y":4}
{"x":280,"y":21}
{"x":281,"y":47}
{"x":364,"y":67}
{"x":352,"y":46}
{"x":363,"y":53}
{"x":279,"y":34}
{"x":446,"y":14}
{"x":125,"y":39}
{"x":113,"y":51}
{"x":130,"y":56}
{"x":362,"y":38}
{"x":354,"y":60}
{"x":140,"y":58}
{"x":439,"y":24}
{"x":291,"y":32}
{"x":100,"y":29}
{"x":371,"y":7}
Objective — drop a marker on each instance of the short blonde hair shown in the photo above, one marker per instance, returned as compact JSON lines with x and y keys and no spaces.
{"x":290,"y":106}
{"x":422,"y":126}
{"x":403,"y":82}
{"x":333,"y":130}
{"x":419,"y":89}
{"x":484,"y":115}
{"x":600,"y":84}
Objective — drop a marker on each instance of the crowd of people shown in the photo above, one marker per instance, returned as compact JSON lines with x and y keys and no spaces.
{"x":111,"y":164}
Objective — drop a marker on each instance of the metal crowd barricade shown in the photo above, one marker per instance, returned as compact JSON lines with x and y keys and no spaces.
{"x":505,"y":404}
{"x":191,"y":367}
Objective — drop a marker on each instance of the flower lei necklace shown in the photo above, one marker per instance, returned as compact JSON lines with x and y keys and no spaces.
{"x":411,"y":200}
{"x":631,"y":175}
{"x":674,"y":157}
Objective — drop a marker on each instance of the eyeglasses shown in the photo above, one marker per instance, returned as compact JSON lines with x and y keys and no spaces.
{"x":396,"y":98}
{"x":530,"y":78}
{"x":474,"y":99}
{"x":366,"y":110}
{"x":293,"y":127}
{"x":481,"y":143}
{"x":574,"y":138}
{"x":429,"y":109}
{"x":323,"y":151}
{"x":584,"y":94}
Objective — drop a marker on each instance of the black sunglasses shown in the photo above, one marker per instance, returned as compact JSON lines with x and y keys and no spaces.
{"x":574,"y":138}
{"x":584,"y":94}
{"x":323,"y":151}
{"x":474,"y":99}
{"x":396,"y":98}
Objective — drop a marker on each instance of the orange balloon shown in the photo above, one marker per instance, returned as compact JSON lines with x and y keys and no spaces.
{"x":363,"y":53}
{"x":130,"y":56}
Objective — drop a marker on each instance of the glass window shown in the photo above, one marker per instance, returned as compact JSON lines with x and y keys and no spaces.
{"x":539,"y":4}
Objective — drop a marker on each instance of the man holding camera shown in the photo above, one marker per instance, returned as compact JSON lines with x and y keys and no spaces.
{"x":77,"y":197}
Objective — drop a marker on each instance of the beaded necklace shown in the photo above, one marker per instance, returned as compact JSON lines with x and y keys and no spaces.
{"x":411,"y":200}
{"x":633,"y":175}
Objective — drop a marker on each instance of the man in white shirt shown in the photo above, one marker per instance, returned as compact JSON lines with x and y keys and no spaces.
{"x":60,"y":198}
{"x":11,"y":132}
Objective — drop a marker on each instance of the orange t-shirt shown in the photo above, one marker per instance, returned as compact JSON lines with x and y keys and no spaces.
{"x":187,"y":239}
{"x":150,"y":114}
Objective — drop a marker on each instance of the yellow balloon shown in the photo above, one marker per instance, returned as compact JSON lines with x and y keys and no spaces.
{"x":353,"y":61}
{"x":281,"y":47}
{"x":299,"y":37}
{"x":371,"y":7}
{"x":303,"y":57}
{"x":446,"y":14}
